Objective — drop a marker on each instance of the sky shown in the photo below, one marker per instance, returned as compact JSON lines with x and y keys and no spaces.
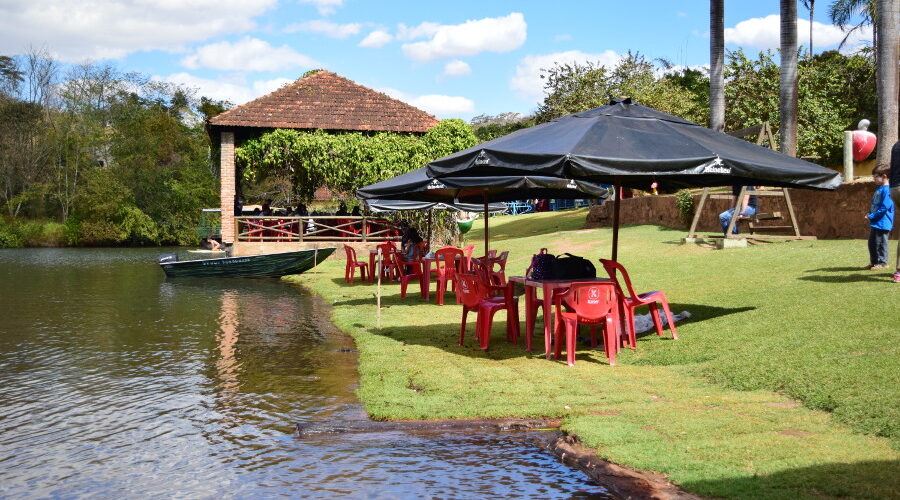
{"x":453,"y":59}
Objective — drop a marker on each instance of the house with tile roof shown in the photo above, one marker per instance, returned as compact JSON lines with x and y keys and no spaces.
{"x":320,"y":100}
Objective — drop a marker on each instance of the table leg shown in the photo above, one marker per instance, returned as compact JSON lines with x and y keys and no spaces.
{"x":548,"y":318}
{"x":426,"y":280}
{"x":372,"y":267}
{"x":530,"y":315}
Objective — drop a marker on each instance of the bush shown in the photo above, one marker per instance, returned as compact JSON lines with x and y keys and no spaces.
{"x":684,"y":202}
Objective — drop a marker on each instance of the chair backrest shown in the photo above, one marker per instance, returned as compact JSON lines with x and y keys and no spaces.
{"x":446,"y":259}
{"x":471,"y":293}
{"x":492,"y":253}
{"x":420,"y":251}
{"x":612,"y":269}
{"x":590,"y":300}
{"x":386,"y":249}
{"x":351,"y":253}
{"x":397,"y":259}
{"x":501,"y":259}
{"x":481,"y":270}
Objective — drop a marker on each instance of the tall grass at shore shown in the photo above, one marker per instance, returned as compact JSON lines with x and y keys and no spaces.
{"x":733,"y":409}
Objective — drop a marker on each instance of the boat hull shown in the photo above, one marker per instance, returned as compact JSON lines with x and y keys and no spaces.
{"x":260,"y":266}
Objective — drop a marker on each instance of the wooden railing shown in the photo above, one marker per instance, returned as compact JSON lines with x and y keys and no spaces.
{"x":315,"y":228}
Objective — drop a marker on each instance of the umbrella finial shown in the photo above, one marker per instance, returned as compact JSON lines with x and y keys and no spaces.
{"x":620,"y":100}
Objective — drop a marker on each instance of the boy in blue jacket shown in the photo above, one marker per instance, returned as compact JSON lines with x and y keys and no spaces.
{"x":881,"y":220}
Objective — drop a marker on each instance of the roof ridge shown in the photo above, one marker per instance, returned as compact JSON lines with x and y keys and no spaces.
{"x":343,"y":105}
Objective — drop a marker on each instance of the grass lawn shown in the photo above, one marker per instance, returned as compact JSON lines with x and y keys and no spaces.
{"x":784,"y":383}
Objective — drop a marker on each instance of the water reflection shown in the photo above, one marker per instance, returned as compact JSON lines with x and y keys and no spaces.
{"x":114,"y":380}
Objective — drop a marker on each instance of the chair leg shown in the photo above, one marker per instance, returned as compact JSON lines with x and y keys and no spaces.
{"x":632,"y":333}
{"x":558,"y":332}
{"x":441,"y":289}
{"x":593,"y":336}
{"x":403,"y":284}
{"x":654,"y":312}
{"x":512,"y":324}
{"x":462,"y":328}
{"x":486,"y":326}
{"x":665,"y":304}
{"x":611,"y":351}
{"x":571,"y":333}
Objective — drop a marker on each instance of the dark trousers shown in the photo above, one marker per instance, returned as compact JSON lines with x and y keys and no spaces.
{"x":878,"y":246}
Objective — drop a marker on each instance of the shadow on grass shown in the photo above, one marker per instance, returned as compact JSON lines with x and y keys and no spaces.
{"x":872,"y":479}
{"x":850,"y":278}
{"x":835,"y":269}
{"x":445,"y":336}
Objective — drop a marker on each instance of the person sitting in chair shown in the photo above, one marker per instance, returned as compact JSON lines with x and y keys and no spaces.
{"x":749,"y":206}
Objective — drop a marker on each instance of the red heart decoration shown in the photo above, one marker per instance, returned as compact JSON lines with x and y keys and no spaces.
{"x":863,"y":144}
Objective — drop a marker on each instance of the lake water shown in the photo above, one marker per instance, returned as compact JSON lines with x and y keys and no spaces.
{"x":116,"y":382}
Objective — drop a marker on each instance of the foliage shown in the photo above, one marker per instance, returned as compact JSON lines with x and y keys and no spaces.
{"x":684,"y":202}
{"x":344,"y":162}
{"x":120,"y":158}
{"x":751,"y":94}
{"x":577,"y":87}
{"x":488,"y":127}
{"x":16,"y":233}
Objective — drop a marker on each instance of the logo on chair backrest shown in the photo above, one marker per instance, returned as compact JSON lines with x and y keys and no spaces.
{"x":593,"y":295}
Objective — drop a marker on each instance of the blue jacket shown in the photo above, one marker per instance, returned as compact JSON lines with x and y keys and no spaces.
{"x":881,"y":216}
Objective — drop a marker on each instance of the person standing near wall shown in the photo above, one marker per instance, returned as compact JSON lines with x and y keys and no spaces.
{"x":895,"y":195}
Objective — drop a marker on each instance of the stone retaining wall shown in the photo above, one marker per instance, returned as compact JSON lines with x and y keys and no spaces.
{"x":824,"y":214}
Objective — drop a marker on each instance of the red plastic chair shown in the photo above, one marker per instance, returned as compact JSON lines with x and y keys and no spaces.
{"x":499,"y":276}
{"x":387,"y":262}
{"x":353,"y":265}
{"x":468,"y":251}
{"x":502,"y":293}
{"x":589,"y":303}
{"x":474,"y":297}
{"x":407,"y":270}
{"x":447,"y":262}
{"x":634,"y":300}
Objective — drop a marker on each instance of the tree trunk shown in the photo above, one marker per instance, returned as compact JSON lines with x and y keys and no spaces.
{"x":812,"y":9}
{"x":886,"y":82}
{"x":787,"y":104}
{"x":717,"y":65}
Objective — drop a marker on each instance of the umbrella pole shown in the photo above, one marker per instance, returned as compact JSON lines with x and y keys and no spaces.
{"x":615,"y":242}
{"x":430,"y":213}
{"x":486,"y":232}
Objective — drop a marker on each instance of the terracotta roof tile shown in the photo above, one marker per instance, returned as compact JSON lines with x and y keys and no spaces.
{"x":325,"y":100}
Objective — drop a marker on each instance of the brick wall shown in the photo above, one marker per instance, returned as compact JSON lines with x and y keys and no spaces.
{"x":824,"y":214}
{"x":227,"y":183}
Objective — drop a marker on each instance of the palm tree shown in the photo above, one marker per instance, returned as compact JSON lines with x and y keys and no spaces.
{"x":811,"y":7}
{"x":888,"y":16}
{"x":842,"y":12}
{"x":787,"y":102}
{"x":717,"y":65}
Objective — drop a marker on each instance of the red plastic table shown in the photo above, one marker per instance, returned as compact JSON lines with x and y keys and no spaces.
{"x":531,"y":304}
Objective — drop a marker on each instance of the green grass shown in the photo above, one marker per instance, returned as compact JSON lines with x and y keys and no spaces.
{"x":716,"y":410}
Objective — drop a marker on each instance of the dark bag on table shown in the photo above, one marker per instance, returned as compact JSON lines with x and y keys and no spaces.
{"x":541,"y":265}
{"x":568,"y":266}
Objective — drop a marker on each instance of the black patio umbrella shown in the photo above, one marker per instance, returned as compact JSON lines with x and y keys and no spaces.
{"x":418,"y":186}
{"x":623,"y":144}
{"x":401,"y":205}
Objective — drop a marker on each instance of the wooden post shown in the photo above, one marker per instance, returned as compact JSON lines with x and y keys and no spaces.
{"x":737,"y":212}
{"x":615,"y":242}
{"x":699,"y":209}
{"x":790,"y":207}
{"x":430,"y":213}
{"x":365,"y":228}
{"x":848,"y":156}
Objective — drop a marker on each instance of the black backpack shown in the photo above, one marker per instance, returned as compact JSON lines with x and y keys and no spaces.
{"x":541,"y":265}
{"x":568,"y":266}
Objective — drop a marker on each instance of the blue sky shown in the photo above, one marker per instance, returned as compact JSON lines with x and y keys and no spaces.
{"x":454,"y":59}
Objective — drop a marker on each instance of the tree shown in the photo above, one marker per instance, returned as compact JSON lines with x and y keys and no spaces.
{"x":811,"y":7}
{"x":787,"y":103}
{"x":717,"y":65}
{"x":888,"y":15}
{"x":842,"y":12}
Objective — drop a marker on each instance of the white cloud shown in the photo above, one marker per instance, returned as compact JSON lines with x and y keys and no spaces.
{"x":494,"y":34}
{"x":376,"y":39}
{"x":247,"y":54}
{"x":765,"y":32}
{"x":528,"y":82}
{"x":112,"y":29}
{"x":325,"y":7}
{"x":457,"y":68}
{"x":443,"y":106}
{"x":236,"y":92}
{"x":564,"y":37}
{"x":423,"y":30}
{"x":326,"y":28}
{"x":681,"y":14}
